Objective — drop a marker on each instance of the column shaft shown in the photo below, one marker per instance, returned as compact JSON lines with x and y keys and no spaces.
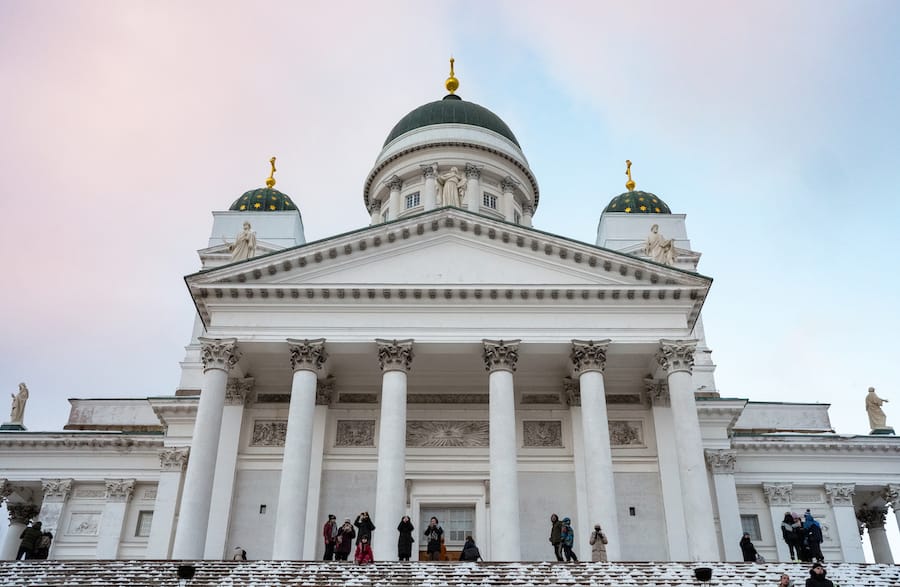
{"x":848,"y":533}
{"x":390,"y":492}
{"x":729,"y":515}
{"x":428,"y":197}
{"x":601,"y":489}
{"x":171,"y":476}
{"x":11,"y":540}
{"x":505,"y":535}
{"x":291,"y":515}
{"x":110,"y":532}
{"x":670,"y":479}
{"x":193,"y":521}
{"x":473,"y":188}
{"x":313,"y":525}
{"x":881,"y":548}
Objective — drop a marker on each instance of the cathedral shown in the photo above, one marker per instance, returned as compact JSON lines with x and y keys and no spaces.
{"x":448,"y":360}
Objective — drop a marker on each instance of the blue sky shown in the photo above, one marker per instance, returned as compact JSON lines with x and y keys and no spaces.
{"x":772,"y":125}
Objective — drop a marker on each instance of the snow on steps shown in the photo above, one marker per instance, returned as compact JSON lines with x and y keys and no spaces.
{"x":122,"y":573}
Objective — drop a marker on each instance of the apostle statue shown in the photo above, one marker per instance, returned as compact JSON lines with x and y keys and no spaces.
{"x":659,"y":248}
{"x":244,"y":245}
{"x":452,"y":188}
{"x":17,"y":413}
{"x":877,"y":419}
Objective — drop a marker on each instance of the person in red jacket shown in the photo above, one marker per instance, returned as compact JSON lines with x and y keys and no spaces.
{"x":363,"y":552}
{"x":329,"y":534}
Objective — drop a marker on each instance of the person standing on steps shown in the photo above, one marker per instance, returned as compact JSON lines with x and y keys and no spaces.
{"x":567,"y":536}
{"x":555,"y":538}
{"x":329,"y":535}
{"x":598,"y":545}
{"x":434,"y":534}
{"x":817,"y":577}
{"x":366,"y":527}
{"x":405,"y":540}
{"x":747,"y":549}
{"x":344,"y":541}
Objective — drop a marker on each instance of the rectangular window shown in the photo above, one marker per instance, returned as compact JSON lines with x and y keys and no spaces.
{"x":412,"y":200}
{"x":489,"y":201}
{"x":750,"y":525}
{"x":457,"y":522}
{"x":144,"y":522}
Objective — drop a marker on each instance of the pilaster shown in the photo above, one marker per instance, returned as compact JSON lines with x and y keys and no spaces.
{"x":118,"y":493}
{"x":840,"y":497}
{"x":778,"y":496}
{"x":172,"y":463}
{"x":721,"y":463}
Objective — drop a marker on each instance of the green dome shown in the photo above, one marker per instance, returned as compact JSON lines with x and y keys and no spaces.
{"x":263,"y":200}
{"x":451,"y":110}
{"x":638,"y":202}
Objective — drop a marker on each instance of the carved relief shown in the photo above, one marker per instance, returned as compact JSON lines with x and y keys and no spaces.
{"x":808,"y":497}
{"x":218,"y":353}
{"x":83,"y":524}
{"x":623,"y":398}
{"x":656,"y":393}
{"x":840,"y":493}
{"x":540,"y":398}
{"x":56,"y":489}
{"x":500,"y":355}
{"x":273,"y":398}
{"x":355,"y":433}
{"x":447,"y":434}
{"x":90,"y":492}
{"x":358,"y":398}
{"x":542,"y":433}
{"x":778,"y":493}
{"x":447,"y":398}
{"x":721,"y":461}
{"x":149,"y":494}
{"x":307,"y":354}
{"x":626,"y":433}
{"x":119,"y":489}
{"x":572,"y":391}
{"x":892,"y":496}
{"x":676,"y":355}
{"x":587,"y":355}
{"x":239,"y":391}
{"x":268,"y":433}
{"x":746,"y":498}
{"x":395,"y":355}
{"x":325,"y":392}
{"x":173,"y":459}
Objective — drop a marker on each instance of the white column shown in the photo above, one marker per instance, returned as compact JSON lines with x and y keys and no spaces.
{"x":19,"y":515}
{"x":56,"y":495}
{"x":428,"y":195}
{"x":676,"y":357}
{"x":307,"y":357}
{"x":374,"y":212}
{"x":527,"y":214}
{"x":840,"y":497}
{"x":118,"y":494}
{"x":395,"y":358}
{"x":324,"y":393}
{"x":500,"y":358}
{"x":237,"y":393}
{"x":582,"y":517}
{"x":394,"y":184}
{"x":721,"y":463}
{"x":168,"y":490}
{"x":778,"y":496}
{"x":473,"y":187}
{"x":892,"y":497}
{"x":589,"y":361}
{"x":508,"y":187}
{"x":669,"y":475}
{"x":874,"y":519}
{"x":218,"y":356}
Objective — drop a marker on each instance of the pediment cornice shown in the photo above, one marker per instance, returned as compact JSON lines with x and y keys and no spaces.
{"x":817,"y":444}
{"x":606,"y":276}
{"x":117,"y":443}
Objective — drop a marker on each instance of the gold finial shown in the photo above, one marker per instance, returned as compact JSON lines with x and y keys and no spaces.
{"x":629,"y":185}
{"x":270,"y":181}
{"x":452,"y":83}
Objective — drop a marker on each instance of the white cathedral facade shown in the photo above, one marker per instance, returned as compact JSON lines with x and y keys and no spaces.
{"x":447,"y":360}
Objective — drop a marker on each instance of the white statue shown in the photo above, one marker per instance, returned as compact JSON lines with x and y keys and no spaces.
{"x":244,"y":245}
{"x":17,"y":413}
{"x":452,"y":188}
{"x":877,"y":418}
{"x":660,"y":249}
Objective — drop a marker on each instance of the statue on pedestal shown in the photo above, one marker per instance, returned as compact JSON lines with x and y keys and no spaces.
{"x":660,"y":248}
{"x":17,"y":413}
{"x":244,"y":245}
{"x":452,"y":189}
{"x":877,"y":419}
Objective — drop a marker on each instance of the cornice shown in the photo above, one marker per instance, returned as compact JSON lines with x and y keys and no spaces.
{"x":245,"y":281}
{"x":794,"y":444}
{"x":82,"y":441}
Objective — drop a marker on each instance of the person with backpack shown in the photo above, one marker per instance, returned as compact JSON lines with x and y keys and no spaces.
{"x":43,"y":546}
{"x":567,"y":535}
{"x":470,"y":552}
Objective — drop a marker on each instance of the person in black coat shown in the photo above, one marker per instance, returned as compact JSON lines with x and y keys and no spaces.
{"x":30,"y":537}
{"x":817,"y":577}
{"x":343,"y":542}
{"x":365,"y":525}
{"x":405,"y":540}
{"x":470,"y":552}
{"x":789,"y":536}
{"x":747,"y":549}
{"x":435,"y":534}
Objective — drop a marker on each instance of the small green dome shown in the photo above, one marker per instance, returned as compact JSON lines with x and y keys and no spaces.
{"x":638,"y":202}
{"x":263,"y":200}
{"x":451,"y":110}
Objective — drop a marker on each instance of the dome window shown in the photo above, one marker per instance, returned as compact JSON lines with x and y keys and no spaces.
{"x":489,"y":201}
{"x":412,"y":200}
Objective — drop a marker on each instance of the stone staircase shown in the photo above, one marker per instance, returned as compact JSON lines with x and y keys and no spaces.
{"x":121,"y":573}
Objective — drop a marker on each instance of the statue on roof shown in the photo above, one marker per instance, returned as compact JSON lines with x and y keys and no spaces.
{"x":17,"y":413}
{"x":452,"y":189}
{"x":877,"y":419}
{"x":244,"y":245}
{"x":659,"y":248}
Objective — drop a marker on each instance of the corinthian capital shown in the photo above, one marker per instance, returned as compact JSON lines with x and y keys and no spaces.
{"x":119,"y":489}
{"x":395,"y":355}
{"x":307,"y":355}
{"x":508,"y":184}
{"x":473,"y":171}
{"x":56,"y":489}
{"x":656,"y":393}
{"x":500,"y":355}
{"x":721,"y":462}
{"x":871,"y":518}
{"x":840,"y":493}
{"x":394,"y":183}
{"x":892,"y":496}
{"x":572,"y":391}
{"x":676,"y":355}
{"x":218,"y":353}
{"x":778,"y":493}
{"x":173,"y":459}
{"x":589,"y":355}
{"x":21,"y":513}
{"x":239,"y":391}
{"x":428,"y":170}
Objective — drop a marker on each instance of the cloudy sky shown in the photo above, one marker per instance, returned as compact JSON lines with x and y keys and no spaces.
{"x":774,"y":126}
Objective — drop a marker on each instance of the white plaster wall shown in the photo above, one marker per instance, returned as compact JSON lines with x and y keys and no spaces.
{"x":252,"y":531}
{"x":280,"y":229}
{"x":644,"y":534}
{"x":112,"y":412}
{"x":618,"y":231}
{"x":542,"y":494}
{"x":781,"y":416}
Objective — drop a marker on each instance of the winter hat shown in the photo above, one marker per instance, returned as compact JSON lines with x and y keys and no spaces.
{"x":817,"y":565}
{"x":566,"y":520}
{"x":346,"y":520}
{"x":596,"y":526}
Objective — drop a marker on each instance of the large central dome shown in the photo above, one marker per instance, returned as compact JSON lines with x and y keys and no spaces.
{"x":451,"y":110}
